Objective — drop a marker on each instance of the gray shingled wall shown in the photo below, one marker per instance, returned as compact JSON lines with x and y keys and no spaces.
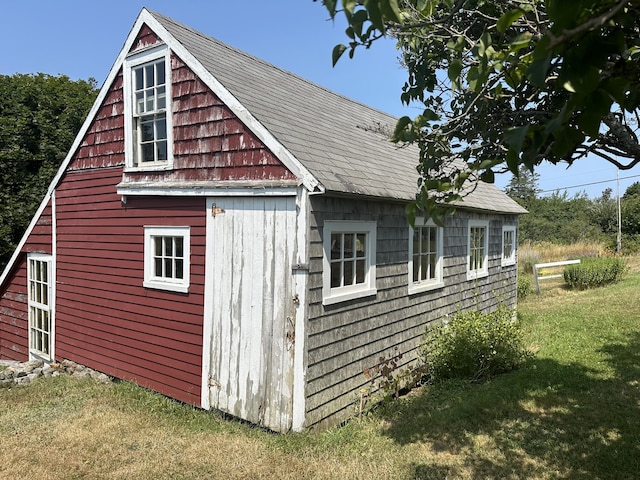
{"x":345,"y":338}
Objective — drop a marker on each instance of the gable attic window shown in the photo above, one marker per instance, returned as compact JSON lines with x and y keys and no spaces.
{"x":349,"y":261}
{"x":425,"y":256}
{"x":148,"y":125}
{"x":167,"y":258}
{"x":478,"y":249}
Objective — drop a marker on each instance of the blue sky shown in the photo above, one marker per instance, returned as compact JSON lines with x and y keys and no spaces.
{"x":82,"y":39}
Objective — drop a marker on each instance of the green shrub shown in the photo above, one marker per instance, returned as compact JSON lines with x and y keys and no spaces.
{"x":595,"y":272}
{"x":524,"y":286}
{"x":474,"y":345}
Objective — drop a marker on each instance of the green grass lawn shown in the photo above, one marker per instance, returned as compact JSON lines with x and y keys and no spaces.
{"x":573,"y":412}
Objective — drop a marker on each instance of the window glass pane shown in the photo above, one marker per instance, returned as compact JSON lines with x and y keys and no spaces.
{"x":348,"y":273}
{"x":161,"y":127}
{"x":336,"y":245}
{"x":157,"y":246}
{"x":168,"y":268}
{"x":348,"y":245}
{"x":432,"y":265}
{"x":149,"y":102}
{"x":416,"y":267}
{"x":45,"y":294}
{"x":168,"y":246}
{"x":433,"y":240}
{"x":424,"y":267}
{"x":149,"y":76}
{"x":336,"y":274}
{"x":140,"y":102}
{"x":179,"y":269}
{"x":147,"y":152}
{"x":146,"y":129}
{"x":360,"y":271}
{"x":361,"y":244}
{"x":160,"y":74}
{"x":162,"y":150}
{"x":45,"y":344}
{"x":179,"y":252}
{"x":139,"y":78}
{"x":161,"y":98}
{"x":158,"y":267}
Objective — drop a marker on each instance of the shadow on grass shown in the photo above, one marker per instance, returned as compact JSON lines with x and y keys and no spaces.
{"x":546,"y":420}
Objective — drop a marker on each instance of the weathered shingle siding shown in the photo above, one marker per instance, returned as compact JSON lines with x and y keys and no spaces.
{"x":345,"y":338}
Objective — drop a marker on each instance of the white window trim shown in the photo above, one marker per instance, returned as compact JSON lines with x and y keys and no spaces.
{"x":150,"y":280}
{"x":484,"y":271}
{"x":511,"y":259}
{"x":368,"y":288}
{"x":49,"y":308}
{"x":131,"y":62}
{"x":438,"y":281}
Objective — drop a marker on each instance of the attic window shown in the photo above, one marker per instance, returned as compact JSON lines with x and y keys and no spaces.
{"x":147,"y":110}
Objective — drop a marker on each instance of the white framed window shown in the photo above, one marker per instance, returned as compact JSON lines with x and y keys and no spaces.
{"x":167,"y":258}
{"x":147,"y":100}
{"x":478,"y":249}
{"x":425,"y":256}
{"x":509,"y":245}
{"x":40,"y":303}
{"x":349,"y":261}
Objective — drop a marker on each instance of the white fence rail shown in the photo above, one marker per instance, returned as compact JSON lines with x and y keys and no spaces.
{"x":540,"y":266}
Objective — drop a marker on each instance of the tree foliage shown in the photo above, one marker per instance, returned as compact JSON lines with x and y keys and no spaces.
{"x":40,"y":116}
{"x":505,"y":83}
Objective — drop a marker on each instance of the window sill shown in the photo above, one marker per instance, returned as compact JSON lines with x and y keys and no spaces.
{"x":508,"y":263}
{"x":148,"y":168}
{"x":338,"y":297}
{"x":171,"y":287}
{"x":476,"y":275}
{"x":424,"y":287}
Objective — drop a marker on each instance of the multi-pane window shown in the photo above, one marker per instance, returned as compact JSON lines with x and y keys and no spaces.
{"x":39,"y":298}
{"x":349,"y":260}
{"x":425,"y":256}
{"x":150,"y":113}
{"x":167,"y":258}
{"x":508,"y":245}
{"x":478,"y":257}
{"x":147,"y":103}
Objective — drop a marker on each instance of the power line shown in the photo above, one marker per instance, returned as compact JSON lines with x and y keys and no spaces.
{"x":588,"y":184}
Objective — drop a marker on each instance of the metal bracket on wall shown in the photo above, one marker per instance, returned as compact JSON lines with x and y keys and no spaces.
{"x":216,"y":210}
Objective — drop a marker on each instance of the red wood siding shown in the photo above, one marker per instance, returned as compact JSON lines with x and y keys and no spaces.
{"x":145,"y":38}
{"x":14,"y":334}
{"x":105,"y":318}
{"x":103,"y":146}
{"x":14,"y":338}
{"x":210,"y":143}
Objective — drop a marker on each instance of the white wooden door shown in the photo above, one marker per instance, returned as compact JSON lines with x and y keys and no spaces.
{"x":250,"y":247}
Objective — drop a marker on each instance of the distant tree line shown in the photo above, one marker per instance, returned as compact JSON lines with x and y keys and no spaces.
{"x":560,"y":218}
{"x":40,"y":115}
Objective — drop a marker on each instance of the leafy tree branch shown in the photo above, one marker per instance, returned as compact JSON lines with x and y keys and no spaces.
{"x":506,"y":83}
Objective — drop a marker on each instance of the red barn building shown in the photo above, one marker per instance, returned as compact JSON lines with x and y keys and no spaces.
{"x":233,"y":236}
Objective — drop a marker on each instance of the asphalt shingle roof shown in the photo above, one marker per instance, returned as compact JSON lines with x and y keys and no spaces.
{"x":337,"y":139}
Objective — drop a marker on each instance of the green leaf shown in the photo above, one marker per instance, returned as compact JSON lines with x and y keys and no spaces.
{"x":349,"y":6}
{"x":454,"y":71}
{"x":488,"y":176}
{"x":513,"y":161}
{"x":537,"y":71}
{"x":338,"y":50}
{"x":515,"y":137}
{"x":507,"y":19}
{"x":375,"y":14}
{"x":400,"y":127}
